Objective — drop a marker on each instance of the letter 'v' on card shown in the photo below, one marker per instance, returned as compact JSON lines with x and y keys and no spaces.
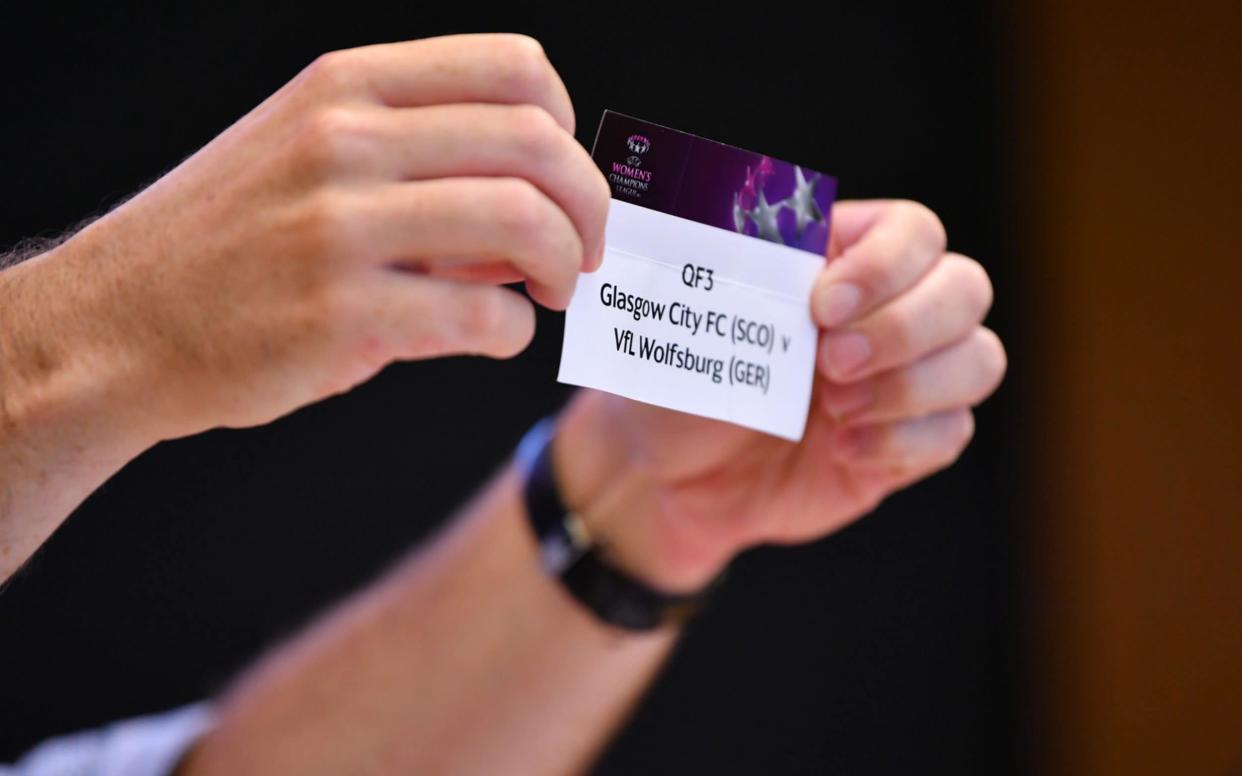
{"x":703,"y":301}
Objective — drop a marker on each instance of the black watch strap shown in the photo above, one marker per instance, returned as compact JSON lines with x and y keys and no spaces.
{"x":619,"y":599}
{"x":568,"y":551}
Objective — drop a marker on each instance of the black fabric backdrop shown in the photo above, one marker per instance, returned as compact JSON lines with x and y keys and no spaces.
{"x":889,"y":647}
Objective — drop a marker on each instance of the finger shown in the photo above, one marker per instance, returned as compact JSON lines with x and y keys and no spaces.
{"x":942,"y":309}
{"x":493,"y":141}
{"x":961,"y":375}
{"x":894,"y":244}
{"x":426,"y":317}
{"x":492,"y":68}
{"x":920,"y":445}
{"x":488,"y":219}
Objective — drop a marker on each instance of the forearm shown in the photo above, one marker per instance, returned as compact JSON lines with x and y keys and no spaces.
{"x":273,"y":268}
{"x":467,"y":659}
{"x":68,"y":420}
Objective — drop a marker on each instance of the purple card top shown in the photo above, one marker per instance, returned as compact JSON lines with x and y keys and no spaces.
{"x":713,"y":183}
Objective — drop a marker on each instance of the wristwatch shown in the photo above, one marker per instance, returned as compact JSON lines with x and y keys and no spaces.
{"x":568,"y":550}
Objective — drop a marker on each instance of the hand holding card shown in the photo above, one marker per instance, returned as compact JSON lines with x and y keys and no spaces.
{"x":677,"y":495}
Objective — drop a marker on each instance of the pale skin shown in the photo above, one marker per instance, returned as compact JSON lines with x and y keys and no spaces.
{"x":369,"y":212}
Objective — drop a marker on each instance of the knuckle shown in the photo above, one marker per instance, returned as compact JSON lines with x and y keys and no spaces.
{"x":975,"y":284}
{"x":523,"y":45}
{"x":534,"y":131}
{"x":961,"y":430}
{"x":993,"y":363}
{"x":521,"y":212}
{"x":541,"y":236}
{"x":326,"y":138}
{"x":904,"y":386}
{"x":526,"y":69}
{"x":334,"y":71}
{"x":482,"y":317}
{"x":904,"y":332}
{"x":323,"y":226}
{"x":877,"y":270}
{"x":332,"y":303}
{"x":516,"y":336}
{"x":925,"y":224}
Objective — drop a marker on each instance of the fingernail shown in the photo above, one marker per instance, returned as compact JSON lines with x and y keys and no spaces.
{"x":838,"y":304}
{"x":597,"y":261}
{"x":843,"y":400}
{"x":846,"y":353}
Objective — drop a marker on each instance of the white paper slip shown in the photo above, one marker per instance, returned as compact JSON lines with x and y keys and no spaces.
{"x":702,"y":304}
{"x":696,"y":319}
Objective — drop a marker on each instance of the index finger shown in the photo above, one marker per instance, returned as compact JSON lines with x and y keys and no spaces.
{"x":501,"y":68}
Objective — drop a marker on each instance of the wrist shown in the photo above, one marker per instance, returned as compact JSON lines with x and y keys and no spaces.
{"x":68,"y":383}
{"x":629,"y":510}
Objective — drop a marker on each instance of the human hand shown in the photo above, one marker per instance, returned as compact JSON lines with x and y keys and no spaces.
{"x":366,"y":212}
{"x":902,"y":359}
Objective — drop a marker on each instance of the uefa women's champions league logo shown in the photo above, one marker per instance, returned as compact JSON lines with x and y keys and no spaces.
{"x":638,"y":145}
{"x":751,"y":203}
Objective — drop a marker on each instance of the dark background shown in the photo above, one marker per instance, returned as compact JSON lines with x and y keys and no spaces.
{"x":889,"y":647}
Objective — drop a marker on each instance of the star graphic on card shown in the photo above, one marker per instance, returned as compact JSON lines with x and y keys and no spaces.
{"x":802,"y":201}
{"x":739,"y":215}
{"x":764,"y":216}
